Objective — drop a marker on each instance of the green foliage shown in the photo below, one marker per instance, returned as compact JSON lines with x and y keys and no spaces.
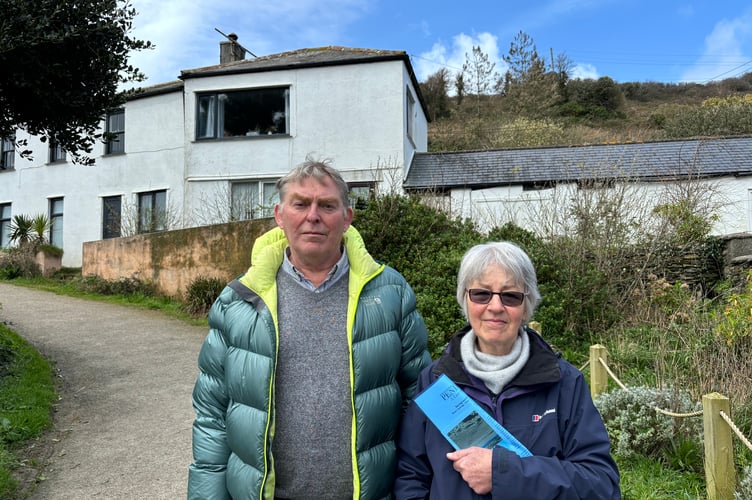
{"x":201,"y":294}
{"x":734,"y":321}
{"x":636,"y":428}
{"x":744,"y":491}
{"x":21,"y":229}
{"x":83,"y":47}
{"x":122,"y":286}
{"x":595,"y":99}
{"x":18,"y":262}
{"x":426,"y":247}
{"x":27,"y":394}
{"x":707,"y":121}
{"x":643,"y":478}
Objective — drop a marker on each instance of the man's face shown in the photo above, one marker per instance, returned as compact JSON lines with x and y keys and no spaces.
{"x":313,"y":219}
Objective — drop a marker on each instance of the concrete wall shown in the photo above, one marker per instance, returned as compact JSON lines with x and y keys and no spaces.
{"x":173,"y":259}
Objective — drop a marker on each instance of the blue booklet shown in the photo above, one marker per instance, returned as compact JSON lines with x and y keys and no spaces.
{"x":462,"y":421}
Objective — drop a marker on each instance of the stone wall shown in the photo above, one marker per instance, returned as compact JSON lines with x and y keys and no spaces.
{"x":173,"y":259}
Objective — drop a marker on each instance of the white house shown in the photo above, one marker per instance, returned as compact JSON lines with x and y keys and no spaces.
{"x":519,"y":185}
{"x":209,"y":147}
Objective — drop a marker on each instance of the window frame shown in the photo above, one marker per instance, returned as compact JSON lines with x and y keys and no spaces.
{"x":112,"y":220}
{"x":56,"y":152}
{"x":157,"y":215}
{"x":8,"y":153}
{"x":6,"y":216}
{"x":410,"y":113}
{"x":256,"y":115}
{"x":357,"y":201}
{"x":56,"y":216}
{"x":261,"y":203}
{"x":115,"y":145}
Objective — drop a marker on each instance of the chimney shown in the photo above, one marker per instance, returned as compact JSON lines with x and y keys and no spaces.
{"x":230,"y":50}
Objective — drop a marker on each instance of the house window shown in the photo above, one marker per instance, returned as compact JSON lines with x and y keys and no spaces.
{"x":243,"y":113}
{"x":115,"y":132}
{"x":111,"y":217}
{"x":4,"y":225}
{"x":57,"y":153}
{"x":7,"y":152}
{"x":152,"y":211}
{"x":253,"y":200}
{"x":410,"y":112}
{"x":56,"y":222}
{"x":360,"y":193}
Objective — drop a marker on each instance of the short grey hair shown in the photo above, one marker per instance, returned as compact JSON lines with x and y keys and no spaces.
{"x":511,"y":258}
{"x":314,"y":169}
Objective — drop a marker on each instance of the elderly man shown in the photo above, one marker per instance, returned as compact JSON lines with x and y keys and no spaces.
{"x":310,"y":359}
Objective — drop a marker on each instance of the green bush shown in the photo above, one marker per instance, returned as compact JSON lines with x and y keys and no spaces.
{"x":122,"y":286}
{"x":636,"y":428}
{"x":425,"y":246}
{"x":201,"y":294}
{"x":18,"y":263}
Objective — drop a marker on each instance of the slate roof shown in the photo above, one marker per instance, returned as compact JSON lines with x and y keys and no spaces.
{"x":650,"y":161}
{"x":302,"y":58}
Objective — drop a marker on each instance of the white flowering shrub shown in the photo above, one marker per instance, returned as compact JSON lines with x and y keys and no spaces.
{"x":636,"y":428}
{"x":744,"y":492}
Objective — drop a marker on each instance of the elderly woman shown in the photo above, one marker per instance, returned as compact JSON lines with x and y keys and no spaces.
{"x":516,"y":377}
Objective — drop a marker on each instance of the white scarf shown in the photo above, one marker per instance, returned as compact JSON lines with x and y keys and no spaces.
{"x":495,"y":371}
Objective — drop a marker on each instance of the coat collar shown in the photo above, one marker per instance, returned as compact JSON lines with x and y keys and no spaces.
{"x":541,"y":368}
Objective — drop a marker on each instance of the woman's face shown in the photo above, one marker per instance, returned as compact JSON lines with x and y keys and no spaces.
{"x":495,"y":325}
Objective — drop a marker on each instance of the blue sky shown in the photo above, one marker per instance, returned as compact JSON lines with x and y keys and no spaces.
{"x":627,"y":40}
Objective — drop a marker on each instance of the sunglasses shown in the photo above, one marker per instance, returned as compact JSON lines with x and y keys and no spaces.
{"x":483,"y":296}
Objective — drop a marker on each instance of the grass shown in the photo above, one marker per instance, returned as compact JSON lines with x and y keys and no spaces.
{"x":27,"y":393}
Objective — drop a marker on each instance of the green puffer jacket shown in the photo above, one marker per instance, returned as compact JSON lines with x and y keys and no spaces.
{"x":234,"y":425}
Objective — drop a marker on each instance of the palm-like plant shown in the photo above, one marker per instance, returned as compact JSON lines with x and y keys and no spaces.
{"x":41,"y":224}
{"x":21,"y":229}
{"x":26,"y":230}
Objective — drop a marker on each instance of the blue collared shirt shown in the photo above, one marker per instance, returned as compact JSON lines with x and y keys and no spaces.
{"x":341,"y":268}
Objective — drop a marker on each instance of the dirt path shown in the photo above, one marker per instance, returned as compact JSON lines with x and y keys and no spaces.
{"x":123,"y":423}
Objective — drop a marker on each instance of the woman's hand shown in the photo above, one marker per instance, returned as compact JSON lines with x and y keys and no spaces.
{"x":474,"y":465}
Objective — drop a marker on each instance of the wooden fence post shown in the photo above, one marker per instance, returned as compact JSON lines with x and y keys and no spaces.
{"x":598,"y":373}
{"x":720,"y":475}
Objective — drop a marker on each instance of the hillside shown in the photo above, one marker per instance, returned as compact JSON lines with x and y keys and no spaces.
{"x":589,"y":112}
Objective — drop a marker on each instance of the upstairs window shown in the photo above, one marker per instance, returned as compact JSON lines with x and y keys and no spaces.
{"x":4,"y":225}
{"x":8,"y":152}
{"x":57,"y":153}
{"x":152,"y":211}
{"x":410,"y":114}
{"x":115,"y":132}
{"x":243,"y":113}
{"x":253,"y":200}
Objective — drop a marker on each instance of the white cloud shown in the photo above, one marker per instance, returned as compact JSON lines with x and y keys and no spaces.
{"x":726,"y":52}
{"x":583,"y":71}
{"x":453,"y":58}
{"x":185,"y":37}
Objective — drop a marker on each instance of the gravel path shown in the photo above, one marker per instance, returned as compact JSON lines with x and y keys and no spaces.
{"x":123,"y":423}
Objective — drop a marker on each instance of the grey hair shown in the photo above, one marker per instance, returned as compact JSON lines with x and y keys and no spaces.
{"x":511,"y":258}
{"x":314,"y":169}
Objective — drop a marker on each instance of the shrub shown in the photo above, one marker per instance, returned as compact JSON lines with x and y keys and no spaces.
{"x":18,"y":262}
{"x":122,"y":286}
{"x":744,"y":491}
{"x":636,"y":428}
{"x":425,"y":245}
{"x":201,"y":294}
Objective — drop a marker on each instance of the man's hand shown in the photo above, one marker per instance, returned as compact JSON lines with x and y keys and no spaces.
{"x":474,"y":465}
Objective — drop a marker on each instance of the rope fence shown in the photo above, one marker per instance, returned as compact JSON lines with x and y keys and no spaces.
{"x":720,"y":472}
